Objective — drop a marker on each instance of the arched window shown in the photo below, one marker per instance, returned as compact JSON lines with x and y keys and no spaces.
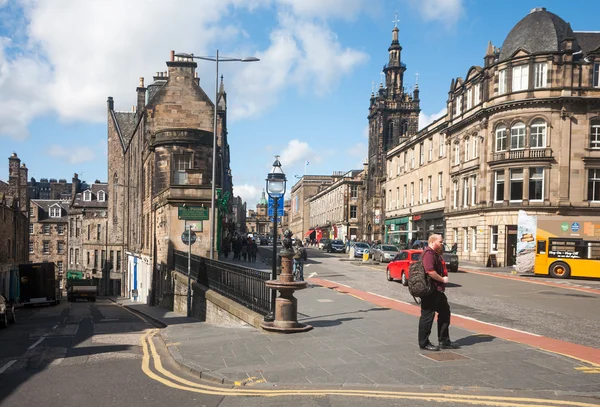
{"x":595,"y":134}
{"x":101,"y":196}
{"x":538,"y":134}
{"x":87,"y":195}
{"x":517,"y":136}
{"x":467,"y":149}
{"x":501,"y":138}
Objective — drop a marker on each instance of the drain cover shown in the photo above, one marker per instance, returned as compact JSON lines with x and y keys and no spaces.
{"x":444,"y":356}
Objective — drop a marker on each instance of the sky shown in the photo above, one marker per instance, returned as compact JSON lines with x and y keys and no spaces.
{"x":306,"y":100}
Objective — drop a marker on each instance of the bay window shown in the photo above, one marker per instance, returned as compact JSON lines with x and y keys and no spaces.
{"x":538,"y":134}
{"x":541,"y":75}
{"x":499,"y":186}
{"x":500,"y":138}
{"x":520,"y":78}
{"x":516,"y":185}
{"x":536,"y":184}
{"x":502,"y":82}
{"x":517,"y":136}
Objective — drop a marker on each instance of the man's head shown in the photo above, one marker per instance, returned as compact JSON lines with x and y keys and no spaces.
{"x":436,"y":242}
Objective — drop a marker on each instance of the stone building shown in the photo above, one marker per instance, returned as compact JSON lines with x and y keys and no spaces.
{"x":335,"y":210}
{"x":299,"y":214}
{"x":238,"y":209}
{"x":393,"y":116}
{"x":48,"y":234}
{"x":14,"y":225}
{"x":160,"y":158}
{"x":90,"y":249}
{"x":258,"y":222}
{"x":417,"y":174}
{"x":49,"y":189}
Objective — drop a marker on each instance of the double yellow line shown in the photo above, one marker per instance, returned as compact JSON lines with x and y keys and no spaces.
{"x":152,"y":366}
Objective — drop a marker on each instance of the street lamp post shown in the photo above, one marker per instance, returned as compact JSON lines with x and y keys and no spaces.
{"x":216,"y":59}
{"x":276,"y":183}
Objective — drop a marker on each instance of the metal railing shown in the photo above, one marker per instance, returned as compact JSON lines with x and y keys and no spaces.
{"x":520,"y":154}
{"x":244,"y":285}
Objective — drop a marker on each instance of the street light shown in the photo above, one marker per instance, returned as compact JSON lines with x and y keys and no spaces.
{"x":276,"y":189}
{"x":216,"y":59}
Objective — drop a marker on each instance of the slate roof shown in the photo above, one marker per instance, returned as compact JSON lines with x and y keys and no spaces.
{"x":588,"y":41}
{"x":45,"y":205}
{"x":94,"y":203}
{"x":125,"y":122}
{"x":154,"y":88}
{"x":538,"y":32}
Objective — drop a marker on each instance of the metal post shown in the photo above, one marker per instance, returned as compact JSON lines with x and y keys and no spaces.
{"x":214,"y":164}
{"x":271,"y":316}
{"x":189,"y":290}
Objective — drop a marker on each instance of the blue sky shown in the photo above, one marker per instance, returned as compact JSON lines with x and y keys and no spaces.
{"x":307,"y":99}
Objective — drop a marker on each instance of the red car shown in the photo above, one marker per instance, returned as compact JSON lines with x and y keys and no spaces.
{"x":397,"y":269}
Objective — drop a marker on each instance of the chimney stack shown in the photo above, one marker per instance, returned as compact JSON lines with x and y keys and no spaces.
{"x":141,"y":96}
{"x":172,"y":55}
{"x":111,"y":105}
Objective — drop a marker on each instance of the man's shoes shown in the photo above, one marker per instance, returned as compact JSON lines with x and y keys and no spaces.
{"x":431,"y":347}
{"x":449,"y":345}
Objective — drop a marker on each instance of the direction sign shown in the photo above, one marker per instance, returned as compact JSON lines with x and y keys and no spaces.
{"x":186,"y":240}
{"x":192,"y":213}
{"x":279,"y":207}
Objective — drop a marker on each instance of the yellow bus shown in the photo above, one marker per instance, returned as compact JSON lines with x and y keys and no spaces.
{"x":567,"y":246}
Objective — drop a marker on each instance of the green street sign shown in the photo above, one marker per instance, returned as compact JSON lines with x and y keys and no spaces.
{"x":192,"y":213}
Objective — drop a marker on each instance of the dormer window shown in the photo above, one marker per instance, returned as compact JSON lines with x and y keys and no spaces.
{"x":55,"y":212}
{"x":87,"y":196}
{"x":101,"y":196}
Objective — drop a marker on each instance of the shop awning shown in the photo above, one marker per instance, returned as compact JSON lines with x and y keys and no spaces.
{"x":309,"y":232}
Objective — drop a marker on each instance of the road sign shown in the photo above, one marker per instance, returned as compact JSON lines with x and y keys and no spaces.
{"x":186,"y":240}
{"x":192,"y":213}
{"x":279,"y":207}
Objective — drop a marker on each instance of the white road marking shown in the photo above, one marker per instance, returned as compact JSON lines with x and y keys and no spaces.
{"x":499,"y":326}
{"x":388,"y":298}
{"x":335,"y":282}
{"x":325,"y":300}
{"x":7,"y":365}
{"x":55,"y":326}
{"x":312,"y":275}
{"x":37,"y":342}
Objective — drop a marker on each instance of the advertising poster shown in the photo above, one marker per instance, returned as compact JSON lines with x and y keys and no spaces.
{"x":525,"y":242}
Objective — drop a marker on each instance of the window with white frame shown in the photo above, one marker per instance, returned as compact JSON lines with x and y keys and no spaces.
{"x":390,"y":167}
{"x":46,"y":229}
{"x":596,"y":75}
{"x":412,"y":157}
{"x":429,"y":188}
{"x":430,"y":149}
{"x":502,"y":82}
{"x":31,"y":212}
{"x":469,"y":98}
{"x":465,"y":192}
{"x":60,"y":247}
{"x":475,"y":147}
{"x":536,"y":184}
{"x":538,"y":134}
{"x":60,"y":266}
{"x":593,"y":185}
{"x":46,"y":247}
{"x":353,"y":211}
{"x":182,"y":163}
{"x":397,"y":197}
{"x":398,"y":163}
{"x":405,"y":196}
{"x":440,"y":185}
{"x":31,"y":228}
{"x":101,"y":196}
{"x":60,"y":229}
{"x":422,"y":153}
{"x":87,"y":195}
{"x":520,"y":78}
{"x":456,"y":153}
{"x":541,"y":75}
{"x":55,"y":212}
{"x":517,"y":136}
{"x":474,"y":190}
{"x":421,"y":191}
{"x":473,"y":239}
{"x":442,"y":140}
{"x":354,"y":191}
{"x":30,"y":247}
{"x":595,"y":133}
{"x":499,"y":186}
{"x":412,"y":194}
{"x":494,"y":238}
{"x":458,"y":104}
{"x":516,"y":185}
{"x":477,"y":97}
{"x":455,"y":194}
{"x":501,"y":138}
{"x":466,"y":239}
{"x":467,"y":149}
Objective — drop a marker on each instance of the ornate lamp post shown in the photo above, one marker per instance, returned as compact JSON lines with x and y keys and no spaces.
{"x":284,"y":309}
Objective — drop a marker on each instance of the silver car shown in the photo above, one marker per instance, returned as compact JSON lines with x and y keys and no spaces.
{"x":384,"y":252}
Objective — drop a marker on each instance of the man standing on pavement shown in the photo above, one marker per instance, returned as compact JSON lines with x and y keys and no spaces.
{"x":436,"y":302}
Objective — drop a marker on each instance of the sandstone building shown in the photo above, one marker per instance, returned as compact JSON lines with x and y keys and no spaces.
{"x":299,"y":214}
{"x":160,"y":158}
{"x":258,"y":222}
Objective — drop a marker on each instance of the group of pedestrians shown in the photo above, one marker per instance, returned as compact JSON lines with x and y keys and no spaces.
{"x":244,"y":248}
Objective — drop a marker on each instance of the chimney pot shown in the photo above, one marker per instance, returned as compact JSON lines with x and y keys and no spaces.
{"x":172,"y":55}
{"x":141,"y":82}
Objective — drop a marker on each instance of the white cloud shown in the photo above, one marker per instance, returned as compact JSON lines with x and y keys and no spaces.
{"x":249,"y":194}
{"x":296,"y":152}
{"x":69,"y":65}
{"x":365,"y":132}
{"x":425,"y":119}
{"x":358,"y":150}
{"x":446,"y":11}
{"x":72,"y":155}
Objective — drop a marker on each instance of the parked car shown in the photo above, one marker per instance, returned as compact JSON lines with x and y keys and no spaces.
{"x":7,"y":312}
{"x":335,"y":246}
{"x":384,"y":252}
{"x":264,"y":241}
{"x":398,"y":269}
{"x":360,"y":248}
{"x":322,"y":243}
{"x":450,"y":258}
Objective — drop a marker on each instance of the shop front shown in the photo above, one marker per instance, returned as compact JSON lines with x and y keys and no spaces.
{"x":397,"y":232}
{"x":426,"y":224}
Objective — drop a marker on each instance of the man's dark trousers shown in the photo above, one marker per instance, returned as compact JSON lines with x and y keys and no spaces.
{"x":436,"y":302}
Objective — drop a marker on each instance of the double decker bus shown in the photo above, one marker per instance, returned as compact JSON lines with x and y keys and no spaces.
{"x":567,"y":246}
